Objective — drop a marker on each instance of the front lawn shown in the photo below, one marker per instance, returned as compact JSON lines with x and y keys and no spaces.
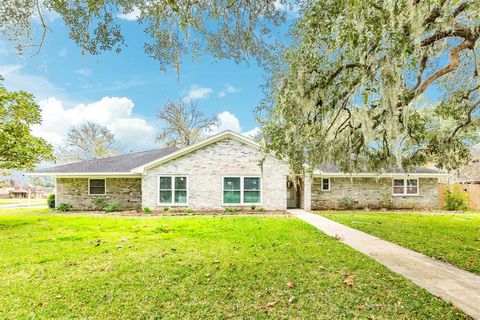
{"x":213,"y":267}
{"x":23,"y":201}
{"x":454,"y":238}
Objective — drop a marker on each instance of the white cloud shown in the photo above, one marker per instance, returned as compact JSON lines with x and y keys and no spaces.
{"x":228,"y":121}
{"x":292,"y":9}
{"x":130,"y":16}
{"x":39,"y":86}
{"x":196,"y":92}
{"x":84,"y":72}
{"x":228,"y":89}
{"x":116,"y":113}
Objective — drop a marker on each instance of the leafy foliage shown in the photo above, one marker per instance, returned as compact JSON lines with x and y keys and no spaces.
{"x":147,"y":210}
{"x":64,"y":206}
{"x":112,"y":206}
{"x":88,"y":141}
{"x":357,"y":83}
{"x":348,"y":203}
{"x":456,"y":199}
{"x":19,"y":149}
{"x":220,"y":28}
{"x":99,"y":202}
{"x":184,"y":123}
{"x":51,"y":201}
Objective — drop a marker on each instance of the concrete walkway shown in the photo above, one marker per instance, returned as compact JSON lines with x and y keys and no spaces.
{"x":452,"y":284}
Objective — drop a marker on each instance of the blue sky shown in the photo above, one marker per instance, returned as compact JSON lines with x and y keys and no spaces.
{"x":124,"y":91}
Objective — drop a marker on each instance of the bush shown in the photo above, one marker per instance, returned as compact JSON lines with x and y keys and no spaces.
{"x":190,"y":210}
{"x":456,"y":199}
{"x":112,"y":206}
{"x":253,"y":207}
{"x":99,"y":203}
{"x":64,"y":206}
{"x":230,"y":210}
{"x":51,"y":201}
{"x":147,"y":210}
{"x":386,"y":202}
{"x":262,"y":209}
{"x":166,"y":209}
{"x":348,"y":203}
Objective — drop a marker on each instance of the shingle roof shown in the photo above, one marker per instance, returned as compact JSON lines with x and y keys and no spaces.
{"x":115,"y":164}
{"x":331,"y":168}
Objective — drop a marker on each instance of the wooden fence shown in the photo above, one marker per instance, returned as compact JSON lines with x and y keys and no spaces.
{"x":473,"y":191}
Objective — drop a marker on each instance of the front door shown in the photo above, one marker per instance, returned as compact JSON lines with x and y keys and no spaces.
{"x":291,"y":195}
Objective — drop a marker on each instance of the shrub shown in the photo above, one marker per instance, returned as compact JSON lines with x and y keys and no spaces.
{"x":99,"y":203}
{"x":253,"y":207}
{"x":138,"y":207}
{"x":112,"y":206}
{"x":190,"y":210}
{"x":348,"y":203}
{"x":386,"y":201}
{"x":166,"y":209}
{"x":229,"y":210}
{"x":64,"y":206}
{"x":262,"y":209}
{"x":147,"y":210}
{"x":51,"y":201}
{"x":456,"y":199}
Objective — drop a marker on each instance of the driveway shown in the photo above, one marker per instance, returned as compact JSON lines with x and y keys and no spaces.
{"x":450,"y":283}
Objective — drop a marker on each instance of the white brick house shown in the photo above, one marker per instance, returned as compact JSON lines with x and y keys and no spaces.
{"x":229,"y":170}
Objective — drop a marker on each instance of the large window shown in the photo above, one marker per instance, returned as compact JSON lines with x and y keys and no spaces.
{"x":172,"y":190}
{"x":241,"y":190}
{"x":405,"y":187}
{"x":96,"y":187}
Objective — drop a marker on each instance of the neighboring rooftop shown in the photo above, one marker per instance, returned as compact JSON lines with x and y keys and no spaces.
{"x":115,"y":164}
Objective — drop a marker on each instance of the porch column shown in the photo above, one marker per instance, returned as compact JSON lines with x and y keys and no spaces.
{"x":307,"y":193}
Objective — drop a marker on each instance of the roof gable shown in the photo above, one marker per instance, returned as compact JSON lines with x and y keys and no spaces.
{"x":202,"y":144}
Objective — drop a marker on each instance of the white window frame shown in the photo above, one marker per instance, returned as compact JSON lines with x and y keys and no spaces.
{"x":321,"y":184}
{"x":97,"y":194}
{"x":242,"y":190}
{"x":405,"y":186}
{"x":173,"y":176}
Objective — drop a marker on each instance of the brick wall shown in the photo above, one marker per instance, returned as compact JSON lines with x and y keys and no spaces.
{"x":206,"y":167}
{"x":369,"y":192}
{"x":127,"y":191}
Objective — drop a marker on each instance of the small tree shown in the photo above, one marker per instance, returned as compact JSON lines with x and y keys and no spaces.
{"x":19,"y":149}
{"x":184,"y":123}
{"x":88,"y":141}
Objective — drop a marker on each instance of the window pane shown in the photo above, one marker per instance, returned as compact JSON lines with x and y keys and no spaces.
{"x":398,"y":182}
{"x":412,"y":190}
{"x":231,"y":197}
{"x":97,"y":183}
{"x":325,"y":184}
{"x":231,"y":183}
{"x":180,"y":196}
{"x":398,"y":190}
{"x":412,"y":182}
{"x":180,"y":183}
{"x":251,"y":183}
{"x":166,"y":196}
{"x":166,"y":183}
{"x":251,"y":197}
{"x":97,"y":190}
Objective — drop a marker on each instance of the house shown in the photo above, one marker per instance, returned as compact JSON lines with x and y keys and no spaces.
{"x":230,"y":170}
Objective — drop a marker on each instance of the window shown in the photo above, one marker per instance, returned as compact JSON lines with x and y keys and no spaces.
{"x":96,"y":186}
{"x":241,"y":190}
{"x":325,"y":184}
{"x":405,"y":186}
{"x":172,"y":190}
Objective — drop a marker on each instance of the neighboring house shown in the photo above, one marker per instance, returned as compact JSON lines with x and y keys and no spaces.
{"x":228,"y":170}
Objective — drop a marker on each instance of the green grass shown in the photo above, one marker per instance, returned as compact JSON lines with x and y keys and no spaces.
{"x":215,"y":267}
{"x":454,"y":238}
{"x":23,"y":201}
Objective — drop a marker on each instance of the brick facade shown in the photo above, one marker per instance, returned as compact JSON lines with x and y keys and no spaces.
{"x":371,"y":192}
{"x":206,"y":167}
{"x":74,"y":191}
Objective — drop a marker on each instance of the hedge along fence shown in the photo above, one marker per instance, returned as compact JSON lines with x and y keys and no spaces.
{"x":473,"y":191}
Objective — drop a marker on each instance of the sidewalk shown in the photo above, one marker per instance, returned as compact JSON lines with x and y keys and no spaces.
{"x":450,"y":283}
